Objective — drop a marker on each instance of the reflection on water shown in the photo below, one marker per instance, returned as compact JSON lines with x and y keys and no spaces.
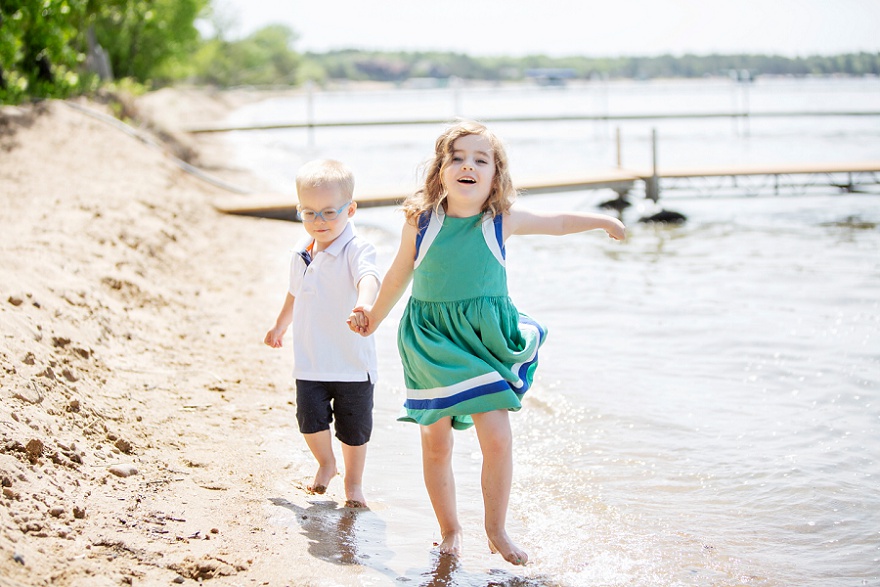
{"x":354,"y":536}
{"x":331,"y":530}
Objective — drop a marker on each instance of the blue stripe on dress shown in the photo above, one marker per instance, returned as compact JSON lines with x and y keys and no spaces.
{"x":499,"y":234}
{"x":441,"y":403}
{"x":523,"y":370}
{"x":424,"y":220}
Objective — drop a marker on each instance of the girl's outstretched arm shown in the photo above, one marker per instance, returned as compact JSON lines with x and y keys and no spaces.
{"x":393,"y":284}
{"x":519,"y":221}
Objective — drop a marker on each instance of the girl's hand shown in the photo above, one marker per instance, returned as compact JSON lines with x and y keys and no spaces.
{"x":616,"y":229}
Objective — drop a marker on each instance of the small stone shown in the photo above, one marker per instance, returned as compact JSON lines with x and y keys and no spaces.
{"x":74,"y":406}
{"x":34,"y":449}
{"x":215,"y":531}
{"x":178,"y":579}
{"x":70,"y":374}
{"x":60,"y":341}
{"x":29,"y":359}
{"x":18,"y":558}
{"x":78,"y":512}
{"x":15,"y":300}
{"x":9,"y":493}
{"x":6,"y":481}
{"x":30,"y":394}
{"x":56,"y":511}
{"x":123,"y":470}
{"x":123,"y":445}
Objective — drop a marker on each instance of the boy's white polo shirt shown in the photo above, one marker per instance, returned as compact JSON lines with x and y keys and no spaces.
{"x":325,"y":291}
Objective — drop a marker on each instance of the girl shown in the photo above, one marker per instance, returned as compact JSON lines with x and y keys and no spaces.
{"x":468,"y":354}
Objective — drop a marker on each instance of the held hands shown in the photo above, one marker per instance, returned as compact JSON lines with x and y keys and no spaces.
{"x":360,"y":321}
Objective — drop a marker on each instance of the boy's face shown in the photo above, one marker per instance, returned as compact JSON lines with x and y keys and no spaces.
{"x":326,"y":199}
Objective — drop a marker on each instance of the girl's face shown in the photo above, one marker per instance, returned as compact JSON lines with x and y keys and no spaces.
{"x":471,"y":170}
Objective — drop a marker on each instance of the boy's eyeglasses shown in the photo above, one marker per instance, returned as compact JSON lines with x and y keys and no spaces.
{"x":328,"y":215}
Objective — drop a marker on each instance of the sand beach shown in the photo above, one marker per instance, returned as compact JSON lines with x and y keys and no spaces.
{"x":136,"y":398}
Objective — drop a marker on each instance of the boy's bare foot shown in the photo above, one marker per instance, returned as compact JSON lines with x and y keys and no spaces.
{"x":508,"y":550}
{"x":354,"y":494}
{"x":451,"y":544}
{"x":322,"y":480}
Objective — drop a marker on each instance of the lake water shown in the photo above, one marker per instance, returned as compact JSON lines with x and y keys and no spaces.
{"x":707,"y":407}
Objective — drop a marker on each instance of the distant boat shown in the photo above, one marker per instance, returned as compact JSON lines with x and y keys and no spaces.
{"x":550,"y":76}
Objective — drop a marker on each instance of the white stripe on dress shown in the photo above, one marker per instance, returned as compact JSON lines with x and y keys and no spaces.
{"x":438,"y":392}
{"x":434,"y":226}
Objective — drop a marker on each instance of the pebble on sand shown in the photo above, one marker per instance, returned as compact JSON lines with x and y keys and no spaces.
{"x":123,"y":470}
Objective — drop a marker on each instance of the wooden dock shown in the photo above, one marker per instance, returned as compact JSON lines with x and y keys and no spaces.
{"x":853,"y":174}
{"x":314,"y":124}
{"x":283,"y":207}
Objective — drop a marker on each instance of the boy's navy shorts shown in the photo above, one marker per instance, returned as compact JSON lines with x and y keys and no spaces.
{"x":350,"y":401}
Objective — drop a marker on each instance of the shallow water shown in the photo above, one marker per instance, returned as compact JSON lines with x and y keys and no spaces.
{"x":707,"y":406}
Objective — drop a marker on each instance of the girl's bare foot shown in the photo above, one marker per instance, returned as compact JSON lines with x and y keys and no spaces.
{"x":451,"y":544}
{"x":508,"y":550}
{"x":322,"y":479}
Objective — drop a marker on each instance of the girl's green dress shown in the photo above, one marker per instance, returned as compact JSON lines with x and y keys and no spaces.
{"x":465,"y":347}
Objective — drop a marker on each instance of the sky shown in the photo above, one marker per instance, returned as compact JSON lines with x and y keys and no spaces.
{"x":608,"y":28}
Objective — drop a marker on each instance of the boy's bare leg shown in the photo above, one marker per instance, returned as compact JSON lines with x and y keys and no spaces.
{"x":321,"y":445}
{"x":437,"y":445}
{"x":496,"y":443}
{"x":354,"y":458}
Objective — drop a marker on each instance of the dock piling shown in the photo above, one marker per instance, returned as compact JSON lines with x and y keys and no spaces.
{"x":652,"y":185}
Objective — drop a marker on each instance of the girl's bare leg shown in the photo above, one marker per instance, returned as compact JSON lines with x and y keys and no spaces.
{"x":439,"y":481}
{"x":496,"y":442}
{"x":354,"y":458}
{"x":320,"y":443}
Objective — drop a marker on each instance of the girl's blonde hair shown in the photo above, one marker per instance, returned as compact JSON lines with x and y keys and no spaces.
{"x":431,"y":195}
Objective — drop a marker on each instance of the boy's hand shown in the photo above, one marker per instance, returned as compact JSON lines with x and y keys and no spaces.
{"x":274,"y":337}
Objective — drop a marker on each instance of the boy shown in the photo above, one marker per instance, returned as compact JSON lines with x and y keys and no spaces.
{"x":331,"y":272}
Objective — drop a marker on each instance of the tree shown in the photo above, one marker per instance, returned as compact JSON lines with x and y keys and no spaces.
{"x":142,"y":36}
{"x":44,"y":45}
{"x":39,"y":53}
{"x":265,"y":57}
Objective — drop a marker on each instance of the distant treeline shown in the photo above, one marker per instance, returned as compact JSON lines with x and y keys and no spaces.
{"x":400,"y":66}
{"x":60,"y":48}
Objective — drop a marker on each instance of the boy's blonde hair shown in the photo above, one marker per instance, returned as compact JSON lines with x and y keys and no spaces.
{"x":431,"y":195}
{"x":320,"y":172}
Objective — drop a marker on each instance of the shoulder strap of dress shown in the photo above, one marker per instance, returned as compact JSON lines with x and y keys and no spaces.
{"x":493,"y":234}
{"x":429,"y":225}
